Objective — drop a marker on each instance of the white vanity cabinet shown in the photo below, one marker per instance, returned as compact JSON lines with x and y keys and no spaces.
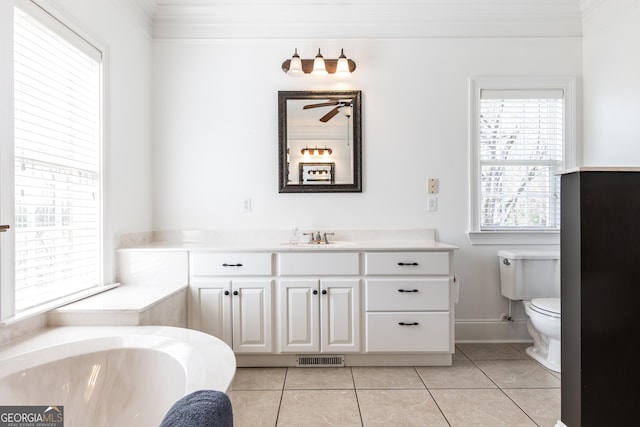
{"x":408,"y":302}
{"x":319,"y":302}
{"x":231,"y":298}
{"x":373,"y":307}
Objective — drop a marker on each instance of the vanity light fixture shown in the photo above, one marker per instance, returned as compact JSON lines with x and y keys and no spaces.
{"x":296,"y":67}
{"x":316,"y":150}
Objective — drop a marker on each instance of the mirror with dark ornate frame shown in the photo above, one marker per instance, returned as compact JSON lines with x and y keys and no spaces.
{"x":320,"y":141}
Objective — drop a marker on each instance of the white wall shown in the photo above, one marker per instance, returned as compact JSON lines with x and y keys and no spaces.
{"x":612,"y":84}
{"x":215,"y":136}
{"x":120,"y":28}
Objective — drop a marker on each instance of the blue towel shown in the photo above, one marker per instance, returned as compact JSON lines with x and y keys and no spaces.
{"x":203,"y":408}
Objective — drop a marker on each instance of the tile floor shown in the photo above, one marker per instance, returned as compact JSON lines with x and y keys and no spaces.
{"x":489,"y":385}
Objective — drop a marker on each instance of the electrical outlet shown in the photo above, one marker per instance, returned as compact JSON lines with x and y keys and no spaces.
{"x":433,"y":185}
{"x":432,"y":204}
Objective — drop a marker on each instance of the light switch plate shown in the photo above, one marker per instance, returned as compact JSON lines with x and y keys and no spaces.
{"x":246,"y":205}
{"x":432,"y":204}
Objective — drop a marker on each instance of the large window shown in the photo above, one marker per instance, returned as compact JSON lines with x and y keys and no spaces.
{"x":57,"y":151}
{"x":519,"y":144}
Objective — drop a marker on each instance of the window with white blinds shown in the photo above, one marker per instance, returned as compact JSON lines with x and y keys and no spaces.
{"x":57,"y":115}
{"x":521,"y":146}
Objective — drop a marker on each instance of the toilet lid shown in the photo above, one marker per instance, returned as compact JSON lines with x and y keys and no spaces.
{"x":549,"y":306}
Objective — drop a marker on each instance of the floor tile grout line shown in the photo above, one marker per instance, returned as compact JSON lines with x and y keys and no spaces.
{"x":432,"y":396}
{"x":355,"y":390}
{"x":500,"y":388}
{"x":284,"y":381}
{"x":519,"y":407}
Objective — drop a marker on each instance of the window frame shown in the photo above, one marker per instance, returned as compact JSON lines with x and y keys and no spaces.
{"x":476,"y":85}
{"x":58,"y":23}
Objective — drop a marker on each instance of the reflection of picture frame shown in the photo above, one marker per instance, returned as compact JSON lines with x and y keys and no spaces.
{"x":317,"y":173}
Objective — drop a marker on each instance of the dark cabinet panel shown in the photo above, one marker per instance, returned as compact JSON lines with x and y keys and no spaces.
{"x":600,"y":273}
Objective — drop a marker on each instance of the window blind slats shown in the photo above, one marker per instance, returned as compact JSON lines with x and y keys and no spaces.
{"x":521,"y":136}
{"x":521,"y":94}
{"x":57,"y":162}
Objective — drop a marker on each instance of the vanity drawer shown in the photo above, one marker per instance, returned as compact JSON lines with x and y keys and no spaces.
{"x":314,"y":263}
{"x":407,"y":332}
{"x":231,"y":264}
{"x":407,"y":294}
{"x":409,"y":263}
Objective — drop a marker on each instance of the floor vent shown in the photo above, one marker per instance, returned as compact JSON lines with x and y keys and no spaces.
{"x":319,"y":361}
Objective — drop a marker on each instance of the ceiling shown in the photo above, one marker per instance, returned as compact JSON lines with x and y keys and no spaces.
{"x":365,"y":18}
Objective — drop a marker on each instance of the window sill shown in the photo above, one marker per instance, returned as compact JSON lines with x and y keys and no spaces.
{"x":41,"y":309}
{"x":514,"y":237}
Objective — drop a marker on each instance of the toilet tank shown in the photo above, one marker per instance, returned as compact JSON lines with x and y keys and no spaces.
{"x":525,"y":275}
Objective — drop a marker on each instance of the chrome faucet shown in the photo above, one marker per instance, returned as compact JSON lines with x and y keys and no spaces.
{"x":318,"y":238}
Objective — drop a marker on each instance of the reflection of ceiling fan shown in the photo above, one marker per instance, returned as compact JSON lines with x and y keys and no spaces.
{"x":333,"y":112}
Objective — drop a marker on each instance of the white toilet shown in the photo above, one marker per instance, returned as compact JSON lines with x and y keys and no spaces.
{"x":533,"y":277}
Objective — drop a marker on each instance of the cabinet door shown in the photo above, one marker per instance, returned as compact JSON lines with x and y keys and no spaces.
{"x":299,"y":328}
{"x":340,"y":315}
{"x":252,"y":316}
{"x":210,"y":309}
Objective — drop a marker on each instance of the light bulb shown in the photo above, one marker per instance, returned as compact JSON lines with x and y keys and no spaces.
{"x":295,"y":66}
{"x":342,"y":69}
{"x":319,"y":68}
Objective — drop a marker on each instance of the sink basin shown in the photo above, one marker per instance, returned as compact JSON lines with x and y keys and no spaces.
{"x":318,"y":245}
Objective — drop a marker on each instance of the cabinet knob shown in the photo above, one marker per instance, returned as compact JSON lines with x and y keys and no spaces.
{"x":407,"y":290}
{"x":226,"y":292}
{"x":408,"y":323}
{"x":315,"y":292}
{"x":402,"y":264}
{"x":324,"y":292}
{"x":235,"y":292}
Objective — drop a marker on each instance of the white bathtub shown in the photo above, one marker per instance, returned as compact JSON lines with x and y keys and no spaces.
{"x":107,"y":376}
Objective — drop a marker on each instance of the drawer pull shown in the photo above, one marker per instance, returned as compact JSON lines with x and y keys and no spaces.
{"x":231,"y":265}
{"x":408,"y":324}
{"x":407,"y":290}
{"x":402,"y":264}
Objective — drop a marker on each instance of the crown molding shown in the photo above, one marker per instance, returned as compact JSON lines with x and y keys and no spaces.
{"x":242,"y":19}
{"x":603,"y":14}
{"x":147,"y":7}
{"x":587,"y":6}
{"x":145,"y":11}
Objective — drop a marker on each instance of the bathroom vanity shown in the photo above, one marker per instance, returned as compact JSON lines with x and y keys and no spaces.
{"x":353,"y":302}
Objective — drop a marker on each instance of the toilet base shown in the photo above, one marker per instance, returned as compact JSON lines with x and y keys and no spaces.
{"x":550,"y":360}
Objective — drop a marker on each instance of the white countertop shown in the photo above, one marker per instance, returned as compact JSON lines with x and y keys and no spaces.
{"x":600,"y":169}
{"x":136,"y":298}
{"x":278,"y":241}
{"x":286,"y":247}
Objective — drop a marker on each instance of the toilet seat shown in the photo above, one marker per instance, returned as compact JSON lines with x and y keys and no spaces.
{"x":546,"y":306}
